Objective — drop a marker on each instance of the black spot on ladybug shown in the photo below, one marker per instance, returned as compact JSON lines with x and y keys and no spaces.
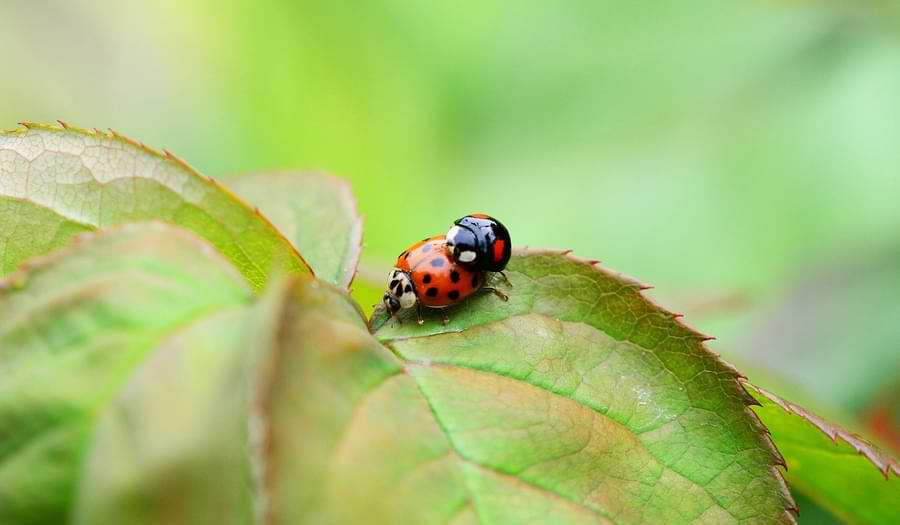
{"x":454,"y":276}
{"x":432,"y":292}
{"x":426,"y":248}
{"x":437,"y":262}
{"x":453,"y":295}
{"x":474,"y":281}
{"x":427,"y":278}
{"x":393,"y":283}
{"x":408,"y":288}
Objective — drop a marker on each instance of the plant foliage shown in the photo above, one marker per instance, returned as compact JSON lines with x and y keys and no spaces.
{"x":166,"y":355}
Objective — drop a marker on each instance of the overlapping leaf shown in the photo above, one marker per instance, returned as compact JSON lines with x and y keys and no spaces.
{"x":129,"y":363}
{"x":317,"y":212}
{"x":841,"y":471}
{"x":84,"y":334}
{"x":58,"y":181}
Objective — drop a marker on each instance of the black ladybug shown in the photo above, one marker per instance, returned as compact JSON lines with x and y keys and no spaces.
{"x":479,"y":242}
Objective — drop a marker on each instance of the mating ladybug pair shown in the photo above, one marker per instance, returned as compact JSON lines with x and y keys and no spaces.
{"x":441,"y":271}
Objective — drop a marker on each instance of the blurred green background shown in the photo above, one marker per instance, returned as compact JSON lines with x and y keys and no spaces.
{"x":742,"y":157}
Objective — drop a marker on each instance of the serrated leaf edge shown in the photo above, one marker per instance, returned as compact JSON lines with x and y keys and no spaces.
{"x":166,"y":156}
{"x":792,"y":509}
{"x":881,"y":460}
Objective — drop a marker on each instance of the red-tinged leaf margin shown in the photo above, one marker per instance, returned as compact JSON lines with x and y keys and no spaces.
{"x":166,"y":156}
{"x":884,"y":462}
{"x":737,"y":379}
{"x":271,"y":332}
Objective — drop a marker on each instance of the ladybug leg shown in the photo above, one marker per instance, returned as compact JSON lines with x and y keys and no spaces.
{"x":505,"y":279}
{"x":445,"y":319}
{"x":419,"y":314}
{"x":503,"y":297}
{"x":394,"y":317}
{"x":391,"y":317}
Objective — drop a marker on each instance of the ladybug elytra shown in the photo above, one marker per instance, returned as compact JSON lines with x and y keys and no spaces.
{"x":426,"y":275}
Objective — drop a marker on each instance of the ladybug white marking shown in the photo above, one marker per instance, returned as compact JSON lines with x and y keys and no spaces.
{"x":466,"y":257}
{"x":401,"y":287}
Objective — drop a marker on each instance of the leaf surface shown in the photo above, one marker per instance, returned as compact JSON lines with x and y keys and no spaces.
{"x":578,"y":401}
{"x":841,"y":471}
{"x":84,"y":333}
{"x":56,"y":182}
{"x":317,"y":212}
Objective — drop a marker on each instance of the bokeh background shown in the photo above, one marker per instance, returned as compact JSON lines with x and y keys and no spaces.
{"x":744,"y":157}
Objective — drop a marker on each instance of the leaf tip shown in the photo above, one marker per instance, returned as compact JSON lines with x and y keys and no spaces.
{"x":63,"y":123}
{"x":644,"y":287}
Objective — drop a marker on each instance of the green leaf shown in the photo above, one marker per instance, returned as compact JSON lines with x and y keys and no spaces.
{"x":578,"y":401}
{"x":839,"y":470}
{"x":84,"y":333}
{"x":56,"y":182}
{"x":316,"y":212}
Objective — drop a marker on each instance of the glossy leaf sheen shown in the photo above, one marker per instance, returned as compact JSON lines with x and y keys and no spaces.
{"x":85,"y":334}
{"x":578,"y":401}
{"x":842,"y":472}
{"x":56,"y":182}
{"x":316,"y":212}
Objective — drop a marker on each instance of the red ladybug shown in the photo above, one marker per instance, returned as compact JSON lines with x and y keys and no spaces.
{"x":425,"y":274}
{"x":480,"y":242}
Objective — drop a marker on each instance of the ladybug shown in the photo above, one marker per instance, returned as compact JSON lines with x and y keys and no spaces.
{"x":425,"y":274}
{"x":480,"y":242}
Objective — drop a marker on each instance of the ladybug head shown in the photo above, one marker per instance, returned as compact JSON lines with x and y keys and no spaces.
{"x":400,"y":292}
{"x":463,"y":244}
{"x":391,"y":304}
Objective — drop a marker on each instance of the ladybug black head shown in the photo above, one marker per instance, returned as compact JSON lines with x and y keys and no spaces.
{"x":479,"y":242}
{"x":391,"y":304}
